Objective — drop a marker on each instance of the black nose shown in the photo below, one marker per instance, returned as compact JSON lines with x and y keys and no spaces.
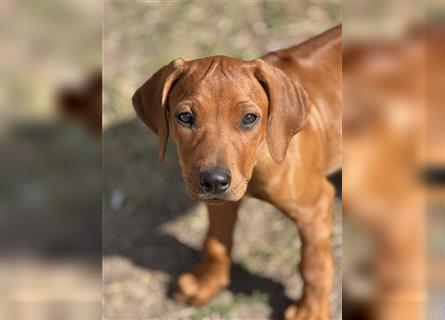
{"x":215,"y":180}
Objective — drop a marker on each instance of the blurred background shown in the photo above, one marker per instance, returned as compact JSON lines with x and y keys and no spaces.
{"x":152,"y":231}
{"x":50,"y":167}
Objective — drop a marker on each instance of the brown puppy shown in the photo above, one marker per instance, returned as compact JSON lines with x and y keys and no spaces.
{"x":235,"y":125}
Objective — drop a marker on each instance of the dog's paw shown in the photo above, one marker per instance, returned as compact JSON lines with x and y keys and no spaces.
{"x":199,"y":286}
{"x":301,"y":311}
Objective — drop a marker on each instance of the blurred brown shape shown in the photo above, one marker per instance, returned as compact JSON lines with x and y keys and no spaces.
{"x":435,"y":42}
{"x":383,"y":112}
{"x":84,"y":104}
{"x":435,"y":164}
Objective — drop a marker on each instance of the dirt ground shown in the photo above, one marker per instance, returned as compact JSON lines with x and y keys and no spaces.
{"x":152,"y":230}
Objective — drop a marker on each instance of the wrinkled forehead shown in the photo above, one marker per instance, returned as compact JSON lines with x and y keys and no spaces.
{"x":217,"y":79}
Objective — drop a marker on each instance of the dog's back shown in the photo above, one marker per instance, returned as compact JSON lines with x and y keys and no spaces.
{"x":316,"y":65}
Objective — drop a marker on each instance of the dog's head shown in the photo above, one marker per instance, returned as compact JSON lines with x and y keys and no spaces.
{"x":219,"y":111}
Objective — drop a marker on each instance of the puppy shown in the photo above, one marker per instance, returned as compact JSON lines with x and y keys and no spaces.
{"x":268,"y":128}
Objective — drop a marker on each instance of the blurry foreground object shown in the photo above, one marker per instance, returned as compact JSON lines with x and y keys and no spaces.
{"x":50,"y":179}
{"x":393,"y":138}
{"x":435,"y":166}
{"x":383,"y":197}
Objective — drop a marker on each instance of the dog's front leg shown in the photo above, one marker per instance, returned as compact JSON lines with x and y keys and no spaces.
{"x":203,"y":282}
{"x":316,"y":264}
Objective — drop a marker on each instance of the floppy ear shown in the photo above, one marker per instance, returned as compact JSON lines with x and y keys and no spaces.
{"x":150,"y":101}
{"x":289,"y":107}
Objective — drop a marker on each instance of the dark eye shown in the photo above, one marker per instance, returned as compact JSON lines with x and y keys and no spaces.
{"x":185,"y":118}
{"x":249,"y":119}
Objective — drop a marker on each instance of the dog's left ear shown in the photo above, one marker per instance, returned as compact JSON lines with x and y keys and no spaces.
{"x":289,"y":107}
{"x":150,"y":100}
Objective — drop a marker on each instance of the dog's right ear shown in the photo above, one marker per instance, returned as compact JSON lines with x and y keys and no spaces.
{"x":150,"y":100}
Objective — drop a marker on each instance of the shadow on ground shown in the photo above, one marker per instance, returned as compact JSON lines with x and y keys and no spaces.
{"x":50,"y":192}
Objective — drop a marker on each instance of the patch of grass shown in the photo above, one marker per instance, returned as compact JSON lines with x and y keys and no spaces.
{"x":223,"y":310}
{"x":259,"y":296}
